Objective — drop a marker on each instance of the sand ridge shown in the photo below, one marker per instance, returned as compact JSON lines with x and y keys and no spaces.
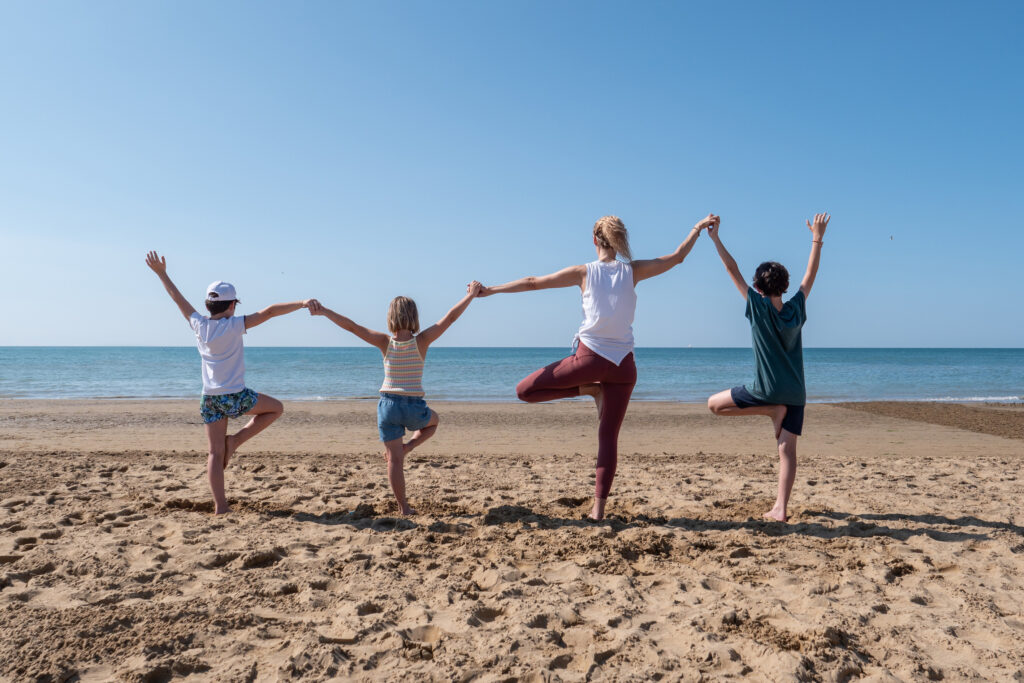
{"x":905,"y":558}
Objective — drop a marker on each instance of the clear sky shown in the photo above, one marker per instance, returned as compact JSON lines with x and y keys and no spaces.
{"x":354,"y":151}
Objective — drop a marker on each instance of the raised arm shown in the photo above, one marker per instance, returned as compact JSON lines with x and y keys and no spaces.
{"x":727,"y":259}
{"x":274,"y":310}
{"x":158,"y":264}
{"x":817,"y":239}
{"x":430,"y":335}
{"x":371,"y":337}
{"x":656,"y":266}
{"x":567,"y":277}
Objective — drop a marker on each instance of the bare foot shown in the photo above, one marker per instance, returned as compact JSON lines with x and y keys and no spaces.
{"x":778,"y":415}
{"x":595,"y":391}
{"x":407,"y":447}
{"x":407,"y":510}
{"x":230,"y":446}
{"x":776,"y":516}
{"x":221,"y":511}
{"x":597,"y":512}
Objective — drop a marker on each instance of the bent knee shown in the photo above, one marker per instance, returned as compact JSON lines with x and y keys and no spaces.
{"x":524,"y":392}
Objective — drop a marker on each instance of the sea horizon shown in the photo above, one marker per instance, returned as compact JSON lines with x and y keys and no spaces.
{"x":683,"y":374}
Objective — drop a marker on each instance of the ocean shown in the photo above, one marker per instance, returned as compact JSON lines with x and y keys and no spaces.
{"x":490,"y":374}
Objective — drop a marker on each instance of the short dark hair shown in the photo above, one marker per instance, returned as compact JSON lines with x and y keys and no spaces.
{"x":771,"y":278}
{"x":216,"y":307}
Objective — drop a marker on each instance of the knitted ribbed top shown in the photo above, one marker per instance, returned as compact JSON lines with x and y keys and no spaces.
{"x":403,"y":368}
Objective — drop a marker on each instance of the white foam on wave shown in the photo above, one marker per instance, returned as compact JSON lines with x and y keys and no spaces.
{"x":976,"y":399}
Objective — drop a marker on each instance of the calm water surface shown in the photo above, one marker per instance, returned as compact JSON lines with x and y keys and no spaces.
{"x":490,"y":374}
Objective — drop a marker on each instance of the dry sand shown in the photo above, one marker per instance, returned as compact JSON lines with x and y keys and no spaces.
{"x":904,"y":558}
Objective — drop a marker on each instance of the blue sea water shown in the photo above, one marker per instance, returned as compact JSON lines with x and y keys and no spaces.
{"x":490,"y":374}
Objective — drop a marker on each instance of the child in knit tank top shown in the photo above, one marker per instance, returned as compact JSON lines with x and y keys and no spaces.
{"x":401,"y":405}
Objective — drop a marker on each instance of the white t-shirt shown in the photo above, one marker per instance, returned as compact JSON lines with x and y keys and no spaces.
{"x":609,"y":303}
{"x":220,"y":346}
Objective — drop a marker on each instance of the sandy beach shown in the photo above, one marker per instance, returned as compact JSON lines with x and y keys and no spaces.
{"x":904,"y":558}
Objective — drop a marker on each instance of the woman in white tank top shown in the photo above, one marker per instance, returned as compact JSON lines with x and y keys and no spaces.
{"x":602,"y":363}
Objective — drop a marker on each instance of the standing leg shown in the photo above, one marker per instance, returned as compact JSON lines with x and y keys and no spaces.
{"x":421,"y":435}
{"x":723,"y":404}
{"x":215,"y":434}
{"x":616,"y":401}
{"x":266,"y":410}
{"x":787,"y":474}
{"x":395,"y":453}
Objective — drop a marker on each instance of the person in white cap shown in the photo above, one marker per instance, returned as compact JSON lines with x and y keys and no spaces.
{"x":219,"y":339}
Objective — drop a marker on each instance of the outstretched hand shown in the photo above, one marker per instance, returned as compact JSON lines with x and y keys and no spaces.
{"x":314,"y":306}
{"x":474,"y":288}
{"x":156,"y":262}
{"x":820,"y":223}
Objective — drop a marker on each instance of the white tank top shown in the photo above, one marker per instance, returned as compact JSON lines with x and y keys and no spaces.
{"x":609,"y":303}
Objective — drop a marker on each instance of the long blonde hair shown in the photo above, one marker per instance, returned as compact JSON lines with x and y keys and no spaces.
{"x":610,"y":233}
{"x":402,"y":315}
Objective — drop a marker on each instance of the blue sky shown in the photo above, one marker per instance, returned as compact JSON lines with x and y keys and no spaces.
{"x":356,"y":151}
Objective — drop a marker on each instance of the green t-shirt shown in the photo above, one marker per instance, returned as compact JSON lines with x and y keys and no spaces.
{"x":778,"y":350}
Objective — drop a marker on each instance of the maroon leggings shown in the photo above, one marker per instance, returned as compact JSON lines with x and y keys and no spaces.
{"x":563,"y":380}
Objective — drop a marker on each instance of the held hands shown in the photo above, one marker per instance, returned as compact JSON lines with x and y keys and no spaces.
{"x":477,"y":289}
{"x":707,"y":222}
{"x":314,"y":306}
{"x":716,"y":222}
{"x":156,"y":262}
{"x":820,"y":223}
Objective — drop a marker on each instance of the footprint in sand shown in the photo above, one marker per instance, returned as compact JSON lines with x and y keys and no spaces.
{"x":263,"y":558}
{"x":428,"y":635}
{"x":365,"y":608}
{"x":484,"y":615}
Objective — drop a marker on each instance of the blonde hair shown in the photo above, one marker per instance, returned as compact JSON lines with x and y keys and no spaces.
{"x":610,"y":233}
{"x":402,"y":315}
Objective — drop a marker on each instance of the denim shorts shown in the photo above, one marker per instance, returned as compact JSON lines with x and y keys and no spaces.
{"x":396,"y":413}
{"x":792,"y":423}
{"x":214,"y":408}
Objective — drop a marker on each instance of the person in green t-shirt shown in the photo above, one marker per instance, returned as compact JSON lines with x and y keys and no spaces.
{"x":778,"y":388}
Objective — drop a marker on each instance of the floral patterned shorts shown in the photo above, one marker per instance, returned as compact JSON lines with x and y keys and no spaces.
{"x":213,"y":408}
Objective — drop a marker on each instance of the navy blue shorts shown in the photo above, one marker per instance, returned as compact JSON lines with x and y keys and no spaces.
{"x":792,"y":423}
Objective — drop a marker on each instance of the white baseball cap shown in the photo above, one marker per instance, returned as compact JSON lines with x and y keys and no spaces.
{"x":221,"y":291}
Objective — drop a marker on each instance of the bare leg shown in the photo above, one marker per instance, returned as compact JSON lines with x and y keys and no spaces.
{"x":597,"y":393}
{"x":787,"y":474}
{"x":395,"y":453}
{"x":215,"y":433}
{"x":421,"y":435}
{"x":722,"y":404}
{"x":266,"y":410}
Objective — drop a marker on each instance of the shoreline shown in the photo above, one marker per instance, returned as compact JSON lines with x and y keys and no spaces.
{"x":997,"y":401}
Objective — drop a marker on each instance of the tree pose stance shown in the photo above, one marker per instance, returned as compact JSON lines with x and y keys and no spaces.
{"x":602,"y":365}
{"x":778,"y":390}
